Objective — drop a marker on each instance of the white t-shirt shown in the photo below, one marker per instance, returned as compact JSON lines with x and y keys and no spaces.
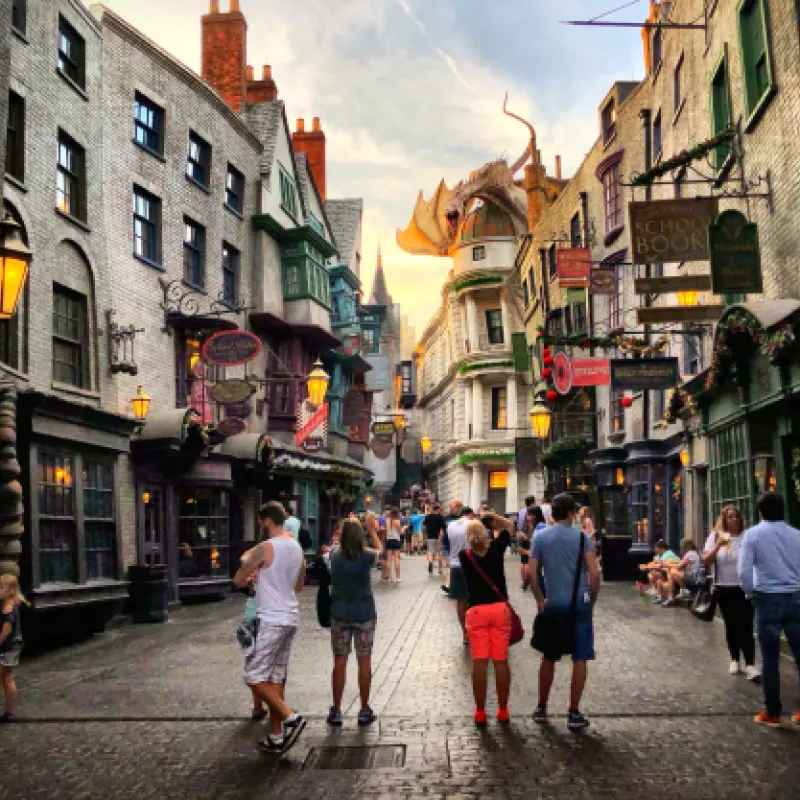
{"x":457,"y":534}
{"x":727,"y":563}
{"x":547,"y":510}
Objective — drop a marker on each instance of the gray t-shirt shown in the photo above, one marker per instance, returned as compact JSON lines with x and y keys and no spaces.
{"x":727,"y":563}
{"x":457,"y":534}
{"x":351,"y":589}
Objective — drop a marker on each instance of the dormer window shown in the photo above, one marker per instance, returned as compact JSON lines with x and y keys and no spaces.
{"x":608,"y":120}
{"x":478,"y":253}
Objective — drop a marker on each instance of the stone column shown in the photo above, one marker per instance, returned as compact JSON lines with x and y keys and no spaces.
{"x":467,"y":400}
{"x":475,"y":492}
{"x":512,"y":413}
{"x":472,"y":323}
{"x":505,"y":311}
{"x":512,"y":495}
{"x":477,"y":409}
{"x":10,"y":488}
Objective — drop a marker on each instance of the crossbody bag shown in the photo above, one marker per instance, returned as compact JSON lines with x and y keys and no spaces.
{"x":517,"y":631}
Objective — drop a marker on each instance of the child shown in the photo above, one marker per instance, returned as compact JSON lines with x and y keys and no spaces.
{"x":10,"y":640}
{"x":250,"y":624}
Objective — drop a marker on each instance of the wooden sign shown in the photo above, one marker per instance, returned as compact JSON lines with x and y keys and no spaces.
{"x":590,"y":372}
{"x":671,"y":230}
{"x":734,"y":254}
{"x":527,"y":450}
{"x":231,"y":391}
{"x":383,"y":431}
{"x":312,"y":427}
{"x":242,"y":409}
{"x":655,"y":315}
{"x":637,"y":374}
{"x":380,"y":449}
{"x":602,"y":280}
{"x":572,"y":266}
{"x":230,"y":348}
{"x":231,"y":426}
{"x":677,"y":283}
{"x":562,"y":373}
{"x":353,"y":408}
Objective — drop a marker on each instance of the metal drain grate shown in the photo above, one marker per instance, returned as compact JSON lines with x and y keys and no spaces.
{"x":381,"y":756}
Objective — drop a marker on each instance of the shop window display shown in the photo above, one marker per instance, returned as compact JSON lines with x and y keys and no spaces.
{"x":203,"y":533}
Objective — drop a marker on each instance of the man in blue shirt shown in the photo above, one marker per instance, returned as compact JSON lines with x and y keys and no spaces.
{"x":769,"y":572}
{"x":557,"y":548}
{"x":416,"y":530}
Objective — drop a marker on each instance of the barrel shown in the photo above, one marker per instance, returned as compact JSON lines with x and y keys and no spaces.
{"x":147,"y":593}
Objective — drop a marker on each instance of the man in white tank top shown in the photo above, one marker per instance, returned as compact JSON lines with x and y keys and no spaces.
{"x":280,"y":567}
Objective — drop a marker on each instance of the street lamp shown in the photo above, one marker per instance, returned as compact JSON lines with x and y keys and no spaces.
{"x":15,"y":259}
{"x":688,"y":298}
{"x":317,"y":383}
{"x":141,"y":404}
{"x":540,"y":419}
{"x":425,"y":443}
{"x":685,"y":457}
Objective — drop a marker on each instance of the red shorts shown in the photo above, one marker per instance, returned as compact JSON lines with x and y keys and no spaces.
{"x":489,"y":630}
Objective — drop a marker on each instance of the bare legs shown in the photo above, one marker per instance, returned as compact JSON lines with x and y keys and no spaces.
{"x":461,"y":610}
{"x":547,"y":671}
{"x":480,"y":670}
{"x":364,"y":678}
{"x":272,"y":694}
{"x":394,"y":560}
{"x":339,"y":679}
{"x":9,"y":687}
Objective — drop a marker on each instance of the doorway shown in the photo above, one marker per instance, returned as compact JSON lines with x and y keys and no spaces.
{"x":151,"y":525}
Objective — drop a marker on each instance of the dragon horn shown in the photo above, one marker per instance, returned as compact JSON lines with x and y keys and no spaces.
{"x":532,"y":144}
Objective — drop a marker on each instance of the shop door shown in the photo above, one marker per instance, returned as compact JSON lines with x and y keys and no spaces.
{"x":497,"y":501}
{"x":151,"y":525}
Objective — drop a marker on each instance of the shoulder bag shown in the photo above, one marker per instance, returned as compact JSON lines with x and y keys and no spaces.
{"x":704,"y":605}
{"x":554,"y":631}
{"x":517,"y":631}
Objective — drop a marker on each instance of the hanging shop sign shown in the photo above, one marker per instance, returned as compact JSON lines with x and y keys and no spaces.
{"x":602,"y":280}
{"x":381,"y":450}
{"x":657,"y":315}
{"x":671,"y":230}
{"x":571,"y":372}
{"x":673,"y":283}
{"x":527,"y":452}
{"x":353,"y":408}
{"x":638,"y":374}
{"x":377,"y":378}
{"x":234,"y":390}
{"x":312,"y":427}
{"x":231,"y":426}
{"x":241,"y":409}
{"x":573,"y":265}
{"x":230,"y":348}
{"x":562,"y":373}
{"x":734,"y":254}
{"x":383,"y":431}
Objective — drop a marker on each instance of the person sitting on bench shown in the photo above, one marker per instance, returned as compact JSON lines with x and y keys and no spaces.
{"x":686,"y":574}
{"x":656,"y":569}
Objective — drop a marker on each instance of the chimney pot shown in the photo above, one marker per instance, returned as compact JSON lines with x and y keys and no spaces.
{"x":250,"y":73}
{"x":235,"y":5}
{"x":266,"y":73}
{"x":214,"y":8}
{"x":301,"y":125}
{"x":315,"y":125}
{"x":558,"y":167}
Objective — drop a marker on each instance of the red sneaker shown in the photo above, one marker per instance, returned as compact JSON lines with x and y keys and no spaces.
{"x":502,"y":714}
{"x":796,"y":718}
{"x":771,"y":722}
{"x":480,"y":716}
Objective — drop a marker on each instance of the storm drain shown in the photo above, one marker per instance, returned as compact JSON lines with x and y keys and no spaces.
{"x":381,"y":756}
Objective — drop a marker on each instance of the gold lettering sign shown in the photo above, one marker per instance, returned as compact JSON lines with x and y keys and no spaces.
{"x":671,"y":230}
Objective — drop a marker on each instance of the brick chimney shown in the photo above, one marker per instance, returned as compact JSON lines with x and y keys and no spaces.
{"x":312,"y":143}
{"x":261,"y":91}
{"x":224,"y":52}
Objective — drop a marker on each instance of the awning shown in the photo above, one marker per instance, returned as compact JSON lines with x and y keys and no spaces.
{"x":289,"y":458}
{"x":769,"y":313}
{"x":314,"y":336}
{"x":255,"y":447}
{"x":200,"y":322}
{"x":173,"y":424}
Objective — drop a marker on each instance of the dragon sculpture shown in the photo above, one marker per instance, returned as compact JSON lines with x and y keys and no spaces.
{"x":435,"y":222}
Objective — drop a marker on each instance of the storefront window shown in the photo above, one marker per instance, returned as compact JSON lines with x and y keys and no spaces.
{"x":98,"y":514}
{"x":57,"y":535}
{"x":616,"y":511}
{"x":639,"y":500}
{"x":659,"y":524}
{"x":203,"y":537}
{"x":728,"y":468}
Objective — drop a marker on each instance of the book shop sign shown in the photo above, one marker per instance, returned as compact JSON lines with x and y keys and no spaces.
{"x":230,"y":348}
{"x":638,"y":374}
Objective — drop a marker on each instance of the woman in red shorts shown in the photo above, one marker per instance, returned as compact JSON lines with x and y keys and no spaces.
{"x":488,"y":615}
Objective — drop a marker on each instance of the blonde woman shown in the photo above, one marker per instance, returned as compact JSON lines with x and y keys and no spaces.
{"x":488,"y":617}
{"x":10,"y":641}
{"x":721,"y":553}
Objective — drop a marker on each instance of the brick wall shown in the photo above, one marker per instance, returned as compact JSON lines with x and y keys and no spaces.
{"x":5,"y":60}
{"x":224,"y":52}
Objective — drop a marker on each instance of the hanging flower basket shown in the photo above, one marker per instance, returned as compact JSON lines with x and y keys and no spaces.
{"x":565,"y":452}
{"x":737,"y":339}
{"x":778,"y":346}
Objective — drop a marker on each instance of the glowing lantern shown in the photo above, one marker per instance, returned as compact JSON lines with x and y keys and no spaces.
{"x":685,"y":457}
{"x":15,"y":258}
{"x":425,"y":443}
{"x":317,"y":383}
{"x":687,"y":298}
{"x":141,"y":404}
{"x":540,"y":419}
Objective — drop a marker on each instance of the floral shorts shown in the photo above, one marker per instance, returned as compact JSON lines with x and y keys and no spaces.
{"x":344,"y":633}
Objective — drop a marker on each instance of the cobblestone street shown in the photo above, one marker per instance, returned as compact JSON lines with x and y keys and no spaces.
{"x":161,"y":712}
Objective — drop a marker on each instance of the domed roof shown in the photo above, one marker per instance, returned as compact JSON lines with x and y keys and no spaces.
{"x":485,"y":222}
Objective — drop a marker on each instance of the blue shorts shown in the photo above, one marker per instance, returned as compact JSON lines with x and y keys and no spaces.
{"x":584,"y":635}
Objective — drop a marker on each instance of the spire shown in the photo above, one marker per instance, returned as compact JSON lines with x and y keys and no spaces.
{"x":380,"y":293}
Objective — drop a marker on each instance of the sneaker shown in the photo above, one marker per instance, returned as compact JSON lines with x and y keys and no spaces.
{"x":275,"y":745}
{"x":685,"y":594}
{"x":771,"y":722}
{"x":734,"y":668}
{"x":399,"y":580}
{"x":6,"y":717}
{"x":656,"y":601}
{"x":366,"y":716}
{"x":540,"y":715}
{"x":668,"y":603}
{"x":577,"y":721}
{"x":335,"y":717}
{"x":292,"y":728}
{"x":503,"y":715}
{"x":796,"y":718}
{"x":480,"y":717}
{"x":430,"y":569}
{"x":753,"y":674}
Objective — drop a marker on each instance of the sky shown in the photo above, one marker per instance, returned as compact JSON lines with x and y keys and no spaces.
{"x":411,"y":91}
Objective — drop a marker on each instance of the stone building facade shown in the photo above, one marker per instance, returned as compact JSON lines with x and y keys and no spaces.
{"x":740,"y":71}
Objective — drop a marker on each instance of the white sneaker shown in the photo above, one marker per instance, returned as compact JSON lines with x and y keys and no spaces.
{"x":734,"y":668}
{"x":753,"y":674}
{"x":399,"y":580}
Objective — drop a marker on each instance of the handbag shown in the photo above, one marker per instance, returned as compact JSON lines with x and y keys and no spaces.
{"x":554,"y":631}
{"x":517,"y":630}
{"x":324,"y":605}
{"x":704,"y":605}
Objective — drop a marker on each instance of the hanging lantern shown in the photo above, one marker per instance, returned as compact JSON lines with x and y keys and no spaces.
{"x":627,"y":402}
{"x":317,"y":383}
{"x":141,"y":404}
{"x":548,"y":361}
{"x":400,"y":422}
{"x":546,"y":352}
{"x":687,"y":298}
{"x":547,"y":373}
{"x":540,"y":420}
{"x":15,"y":258}
{"x":425,"y":443}
{"x":551,"y":395}
{"x":685,"y":457}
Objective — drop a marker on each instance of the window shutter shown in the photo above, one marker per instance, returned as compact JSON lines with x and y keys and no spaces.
{"x":520,"y":351}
